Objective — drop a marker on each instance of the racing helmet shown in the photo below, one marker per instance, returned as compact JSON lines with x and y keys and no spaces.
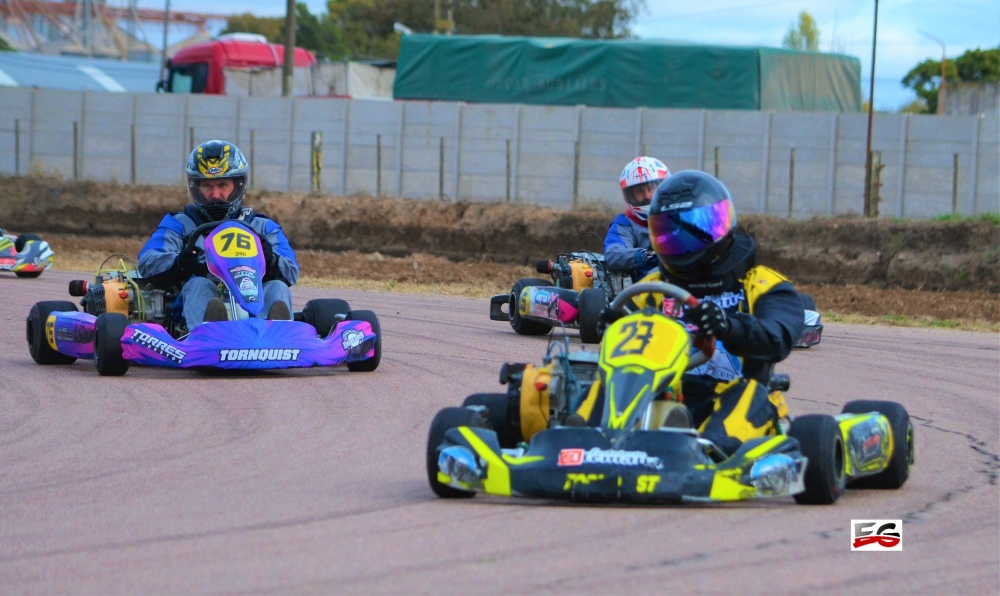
{"x":639,"y":181}
{"x":691,"y":222}
{"x":213,"y":160}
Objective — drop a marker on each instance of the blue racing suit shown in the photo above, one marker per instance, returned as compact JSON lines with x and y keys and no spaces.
{"x":627,"y":248}
{"x":158,"y":262}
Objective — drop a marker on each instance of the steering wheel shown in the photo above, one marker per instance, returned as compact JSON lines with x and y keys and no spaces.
{"x":623,"y":305}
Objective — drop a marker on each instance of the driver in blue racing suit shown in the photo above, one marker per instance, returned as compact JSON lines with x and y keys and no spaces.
{"x":754,"y":312}
{"x":217,"y":181}
{"x":626,"y":245}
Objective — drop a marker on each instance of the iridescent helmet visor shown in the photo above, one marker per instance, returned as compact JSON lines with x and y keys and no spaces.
{"x":689,"y":231}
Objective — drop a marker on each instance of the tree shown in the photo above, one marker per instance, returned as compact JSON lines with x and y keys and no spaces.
{"x":318,"y":34}
{"x":974,"y":66}
{"x":805,"y":37}
{"x":270,"y":27}
{"x":367,"y":25}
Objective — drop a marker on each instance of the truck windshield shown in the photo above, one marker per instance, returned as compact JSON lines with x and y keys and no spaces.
{"x":188,"y":78}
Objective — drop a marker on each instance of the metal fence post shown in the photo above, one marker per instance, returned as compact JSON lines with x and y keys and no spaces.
{"x":76,"y":151}
{"x":507,"y":194}
{"x":716,"y":162}
{"x":378,"y":165}
{"x":954,"y":187}
{"x":441,"y":169}
{"x":791,"y":183}
{"x":132,"y":155}
{"x":317,"y":160}
{"x":17,"y":147}
{"x":576,"y":174}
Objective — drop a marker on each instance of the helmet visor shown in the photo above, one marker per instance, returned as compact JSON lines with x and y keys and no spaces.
{"x":679,"y":233}
{"x":639,"y":195}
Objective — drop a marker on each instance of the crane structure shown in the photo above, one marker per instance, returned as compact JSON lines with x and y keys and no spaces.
{"x":90,"y":27}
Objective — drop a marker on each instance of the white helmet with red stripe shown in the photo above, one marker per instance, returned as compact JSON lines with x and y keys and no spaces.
{"x":639,"y":180}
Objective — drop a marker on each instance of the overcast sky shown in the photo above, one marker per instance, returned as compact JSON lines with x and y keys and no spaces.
{"x":845,"y":27}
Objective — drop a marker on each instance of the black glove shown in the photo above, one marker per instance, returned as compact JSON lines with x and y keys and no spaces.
{"x":710,"y":319}
{"x":649,"y":257}
{"x":270,"y":257}
{"x":191,"y":262}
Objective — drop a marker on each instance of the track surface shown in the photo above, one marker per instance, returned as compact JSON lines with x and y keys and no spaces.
{"x":313,"y":480}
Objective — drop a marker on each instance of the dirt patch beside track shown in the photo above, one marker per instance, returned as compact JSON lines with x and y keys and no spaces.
{"x":925,"y":271}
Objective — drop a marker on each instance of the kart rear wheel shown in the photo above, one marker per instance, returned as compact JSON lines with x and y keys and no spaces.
{"x":445,"y":420}
{"x":820,"y":440}
{"x":28,"y":274}
{"x":498,"y":405}
{"x":898,"y":470}
{"x":21,"y":240}
{"x":592,"y":302}
{"x":38,"y":345}
{"x":322,"y":313}
{"x":521,"y":325}
{"x":108,"y":344}
{"x":372,"y":363}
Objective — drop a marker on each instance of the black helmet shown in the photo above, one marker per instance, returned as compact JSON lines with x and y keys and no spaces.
{"x":691,"y":222}
{"x":213,"y":160}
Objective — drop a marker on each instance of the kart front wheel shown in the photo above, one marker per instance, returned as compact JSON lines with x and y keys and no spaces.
{"x":521,"y":325}
{"x":445,"y":420}
{"x":898,"y":470}
{"x":38,"y":344}
{"x":322,"y":313}
{"x":592,"y":302}
{"x":821,"y":442}
{"x":498,"y":406}
{"x":372,"y":363}
{"x":108,"y":344}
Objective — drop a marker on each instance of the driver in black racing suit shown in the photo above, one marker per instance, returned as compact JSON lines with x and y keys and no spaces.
{"x":753,"y":311}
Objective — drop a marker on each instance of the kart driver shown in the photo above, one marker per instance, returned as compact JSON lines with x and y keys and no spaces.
{"x":754,"y":312}
{"x":626,"y":245}
{"x":217,"y":180}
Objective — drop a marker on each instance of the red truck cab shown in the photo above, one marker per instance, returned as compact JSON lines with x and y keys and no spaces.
{"x":199,"y":68}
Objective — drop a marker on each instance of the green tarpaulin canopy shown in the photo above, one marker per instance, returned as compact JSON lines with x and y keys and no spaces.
{"x":623,"y":73}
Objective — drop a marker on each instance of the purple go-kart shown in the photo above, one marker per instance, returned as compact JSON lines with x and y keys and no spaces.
{"x":125,"y":320}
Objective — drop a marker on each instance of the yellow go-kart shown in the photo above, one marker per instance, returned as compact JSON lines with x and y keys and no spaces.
{"x":612,"y":427}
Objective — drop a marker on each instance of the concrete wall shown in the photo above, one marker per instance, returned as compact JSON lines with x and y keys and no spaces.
{"x":803,"y":164}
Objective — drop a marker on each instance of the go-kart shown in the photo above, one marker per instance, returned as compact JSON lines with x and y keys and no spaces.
{"x":26,"y":255}
{"x":126,"y":320}
{"x":612,"y":427}
{"x":581,"y":287}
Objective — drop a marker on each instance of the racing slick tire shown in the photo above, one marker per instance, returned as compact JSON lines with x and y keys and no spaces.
{"x":898,"y":470}
{"x":108,"y":332}
{"x":808,"y":302}
{"x":38,"y":345}
{"x":820,"y":440}
{"x":372,"y":363}
{"x":445,"y":420}
{"x":521,"y":325}
{"x":498,"y":406}
{"x":322,"y":313}
{"x":592,"y":302}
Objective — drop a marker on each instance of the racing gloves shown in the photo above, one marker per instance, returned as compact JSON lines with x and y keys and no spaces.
{"x":270,"y":259}
{"x":188,"y":263}
{"x":710,"y":319}
{"x":648,"y":257}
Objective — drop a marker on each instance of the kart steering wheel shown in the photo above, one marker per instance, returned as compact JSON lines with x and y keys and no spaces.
{"x":623,"y":305}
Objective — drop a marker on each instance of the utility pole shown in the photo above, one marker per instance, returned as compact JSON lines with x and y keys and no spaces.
{"x":288,"y":68}
{"x":166,"y":23}
{"x":940,"y":109}
{"x":869,"y":199}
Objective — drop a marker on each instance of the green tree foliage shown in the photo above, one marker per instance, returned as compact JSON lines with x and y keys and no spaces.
{"x":318,"y":34}
{"x":273,"y":28}
{"x":974,"y":66}
{"x":367,"y":25}
{"x":803,"y":37}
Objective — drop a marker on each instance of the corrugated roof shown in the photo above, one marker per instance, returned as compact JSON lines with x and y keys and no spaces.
{"x":20,"y":69}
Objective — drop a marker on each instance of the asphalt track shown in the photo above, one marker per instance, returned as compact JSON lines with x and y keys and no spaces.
{"x":313,"y":480}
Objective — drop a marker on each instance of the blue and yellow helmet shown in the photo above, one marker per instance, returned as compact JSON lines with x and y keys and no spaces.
{"x":213,"y":160}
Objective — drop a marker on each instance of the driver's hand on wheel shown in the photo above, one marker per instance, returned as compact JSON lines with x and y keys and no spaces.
{"x":710,"y":319}
{"x":191,"y":262}
{"x":270,"y":259}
